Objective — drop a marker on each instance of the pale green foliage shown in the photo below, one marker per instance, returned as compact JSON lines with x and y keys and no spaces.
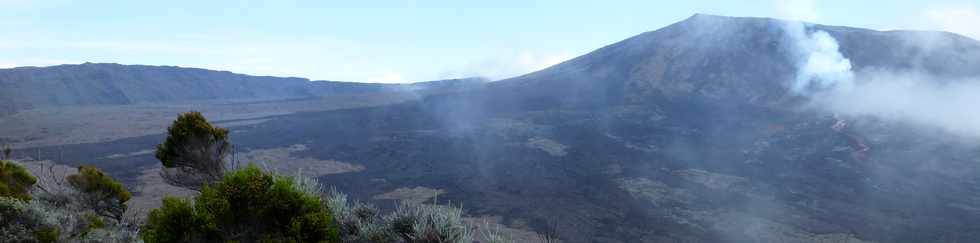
{"x":412,"y":223}
{"x":357,"y":221}
{"x":425,"y":223}
{"x":309,"y":185}
{"x":40,"y":221}
{"x":493,"y":234}
{"x":85,"y":226}
{"x":18,"y":221}
{"x":64,"y":214}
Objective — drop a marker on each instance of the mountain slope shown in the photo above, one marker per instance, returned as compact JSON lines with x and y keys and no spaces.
{"x":114,"y":84}
{"x":689,"y":133}
{"x":737,"y":59}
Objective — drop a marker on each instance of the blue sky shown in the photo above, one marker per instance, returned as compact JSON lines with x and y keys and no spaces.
{"x":394,"y":41}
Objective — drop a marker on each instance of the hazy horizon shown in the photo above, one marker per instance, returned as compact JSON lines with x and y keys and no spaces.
{"x":393,"y":42}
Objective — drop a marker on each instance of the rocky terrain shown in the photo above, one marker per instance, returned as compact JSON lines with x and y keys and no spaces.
{"x":689,"y":133}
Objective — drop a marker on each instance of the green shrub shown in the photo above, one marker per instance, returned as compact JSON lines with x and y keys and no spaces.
{"x":173,"y":222}
{"x":93,"y":221}
{"x":195,"y":149}
{"x":15,"y":181}
{"x":92,"y":180}
{"x":247,"y":205}
{"x":47,"y":234}
{"x":99,"y":192}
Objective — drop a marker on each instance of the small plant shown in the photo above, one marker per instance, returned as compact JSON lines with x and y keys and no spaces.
{"x":357,"y":221}
{"x":173,"y":222}
{"x":47,"y":234}
{"x":494,"y":234}
{"x":99,"y":192}
{"x":82,"y":207}
{"x":19,"y":222}
{"x":15,"y":181}
{"x":246,"y":205}
{"x":424,"y":223}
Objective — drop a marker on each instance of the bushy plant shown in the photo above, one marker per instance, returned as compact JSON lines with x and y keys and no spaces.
{"x":194,"y":151}
{"x":357,"y":221}
{"x":493,"y":234}
{"x":21,"y":223}
{"x":360,"y":222}
{"x":173,"y":222}
{"x":72,"y":224}
{"x":76,"y":208}
{"x":47,"y":234}
{"x":36,"y":222}
{"x":425,"y":223}
{"x":99,"y":192}
{"x":15,"y":181}
{"x":246,"y":205}
{"x":413,"y":223}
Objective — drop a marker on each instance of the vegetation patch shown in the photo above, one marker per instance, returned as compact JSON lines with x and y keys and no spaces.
{"x":15,"y":181}
{"x":247,"y":205}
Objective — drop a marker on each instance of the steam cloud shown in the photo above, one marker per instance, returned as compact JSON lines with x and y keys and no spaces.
{"x":820,"y":66}
{"x":913,"y":98}
{"x":826,"y":77}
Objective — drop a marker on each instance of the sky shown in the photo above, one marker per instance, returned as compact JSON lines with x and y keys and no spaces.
{"x":395,"y":41}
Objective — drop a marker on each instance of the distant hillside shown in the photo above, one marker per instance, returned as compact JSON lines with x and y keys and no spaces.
{"x":102,"y":84}
{"x":729,"y":58}
{"x":684,"y":134}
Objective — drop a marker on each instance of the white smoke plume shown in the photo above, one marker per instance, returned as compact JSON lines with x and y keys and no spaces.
{"x":820,"y":65}
{"x":911,"y":98}
{"x":825,"y":75}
